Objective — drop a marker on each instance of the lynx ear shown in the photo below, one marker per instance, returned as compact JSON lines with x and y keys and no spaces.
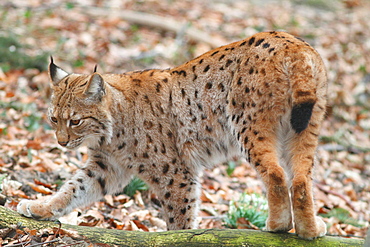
{"x":56,"y":74}
{"x":95,"y":88}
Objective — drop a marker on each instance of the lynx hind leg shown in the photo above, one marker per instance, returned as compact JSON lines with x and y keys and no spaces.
{"x":261,"y":146}
{"x":303,"y":147}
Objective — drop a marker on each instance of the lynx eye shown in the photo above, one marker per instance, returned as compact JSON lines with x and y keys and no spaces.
{"x":54,"y":119}
{"x":75,"y":122}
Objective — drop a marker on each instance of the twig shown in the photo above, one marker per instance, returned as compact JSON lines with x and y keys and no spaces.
{"x":59,"y":227}
{"x":48,"y":242}
{"x":33,"y":245}
{"x":348,"y":202}
{"x":20,"y":244}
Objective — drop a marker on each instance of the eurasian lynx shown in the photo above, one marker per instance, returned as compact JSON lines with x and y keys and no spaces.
{"x":262,"y":98}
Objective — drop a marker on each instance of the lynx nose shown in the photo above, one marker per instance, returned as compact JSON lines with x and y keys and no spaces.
{"x":63,"y":143}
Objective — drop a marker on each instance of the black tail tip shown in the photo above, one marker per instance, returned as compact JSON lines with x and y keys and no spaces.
{"x":301,"y":115}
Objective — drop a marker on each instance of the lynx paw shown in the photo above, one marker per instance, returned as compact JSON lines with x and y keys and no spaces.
{"x":283,"y":225}
{"x":35,"y":209}
{"x":280,"y":223}
{"x":312,"y":232}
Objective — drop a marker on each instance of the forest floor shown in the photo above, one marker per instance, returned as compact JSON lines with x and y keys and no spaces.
{"x":80,"y":35}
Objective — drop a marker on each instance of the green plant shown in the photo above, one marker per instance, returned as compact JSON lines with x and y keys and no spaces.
{"x":230,"y":167}
{"x":13,"y":55}
{"x":343,"y":216}
{"x":320,"y":4}
{"x":134,"y":28}
{"x":78,"y":63}
{"x":259,"y":28}
{"x":28,"y":13}
{"x":32,"y":122}
{"x":2,"y":177}
{"x":70,"y":5}
{"x":294,"y":22}
{"x":136,"y":184}
{"x":31,"y":115}
{"x":251,"y":207}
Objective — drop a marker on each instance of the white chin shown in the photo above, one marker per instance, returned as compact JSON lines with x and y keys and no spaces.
{"x":91,"y":141}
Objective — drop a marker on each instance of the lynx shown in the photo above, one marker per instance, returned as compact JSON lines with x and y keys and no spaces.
{"x":262,"y":98}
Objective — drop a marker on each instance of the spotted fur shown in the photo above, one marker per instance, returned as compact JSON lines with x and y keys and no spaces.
{"x":262,"y":98}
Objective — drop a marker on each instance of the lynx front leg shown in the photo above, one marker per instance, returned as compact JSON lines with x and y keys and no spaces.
{"x":178,"y":192}
{"x":181,"y":205}
{"x":88,"y":185}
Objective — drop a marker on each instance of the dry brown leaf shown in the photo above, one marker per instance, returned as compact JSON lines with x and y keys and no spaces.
{"x":38,"y":182}
{"x":133,"y":226}
{"x":140,"y":215}
{"x":117,"y":224}
{"x":158,"y":222}
{"x":91,"y":218}
{"x":40,"y":188}
{"x":243,"y":223}
{"x":141,"y":225}
{"x":34,"y":144}
{"x":121,"y":198}
{"x":109,"y":200}
{"x":138,"y":199}
{"x":207,"y":197}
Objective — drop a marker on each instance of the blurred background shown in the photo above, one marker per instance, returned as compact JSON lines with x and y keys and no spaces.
{"x":123,"y":35}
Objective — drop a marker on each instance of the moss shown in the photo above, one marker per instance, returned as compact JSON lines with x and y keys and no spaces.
{"x":201,"y":237}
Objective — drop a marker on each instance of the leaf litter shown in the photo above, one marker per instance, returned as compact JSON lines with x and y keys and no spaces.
{"x":32,"y":165}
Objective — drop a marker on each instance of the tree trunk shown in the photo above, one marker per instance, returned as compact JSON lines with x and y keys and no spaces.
{"x":200,"y":237}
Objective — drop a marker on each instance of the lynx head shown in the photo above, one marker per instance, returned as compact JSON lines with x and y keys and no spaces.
{"x":78,"y":110}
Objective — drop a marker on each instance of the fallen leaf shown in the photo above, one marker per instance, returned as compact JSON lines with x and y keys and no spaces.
{"x":34,"y":144}
{"x":40,"y":188}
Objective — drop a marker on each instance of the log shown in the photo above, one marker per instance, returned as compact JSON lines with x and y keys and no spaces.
{"x":198,"y":237}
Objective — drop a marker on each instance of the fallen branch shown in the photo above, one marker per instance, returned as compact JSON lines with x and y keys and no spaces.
{"x":341,"y":145}
{"x":348,"y":202}
{"x":165,"y":23}
{"x":200,"y":237}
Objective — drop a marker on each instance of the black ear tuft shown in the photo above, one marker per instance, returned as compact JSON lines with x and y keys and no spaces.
{"x":95,"y":68}
{"x":56,"y":74}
